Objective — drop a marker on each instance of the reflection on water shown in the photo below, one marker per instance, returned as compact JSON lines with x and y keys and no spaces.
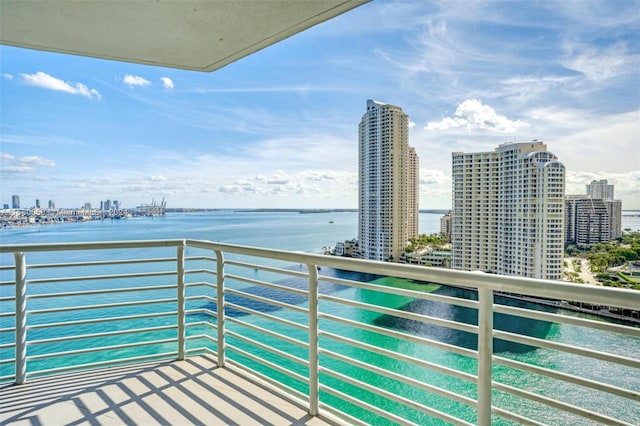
{"x":509,"y":323}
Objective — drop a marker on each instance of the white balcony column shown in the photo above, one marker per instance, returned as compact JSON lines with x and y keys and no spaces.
{"x":220,"y":307}
{"x":313,"y":340}
{"x":485,"y":354}
{"x":21,"y":318}
{"x":181,"y":302}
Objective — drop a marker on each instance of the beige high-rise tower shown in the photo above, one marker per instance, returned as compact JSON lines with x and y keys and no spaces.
{"x":508,"y":211}
{"x":388,"y":183}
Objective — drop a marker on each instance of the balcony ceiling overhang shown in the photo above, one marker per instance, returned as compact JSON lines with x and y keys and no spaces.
{"x":195,"y":35}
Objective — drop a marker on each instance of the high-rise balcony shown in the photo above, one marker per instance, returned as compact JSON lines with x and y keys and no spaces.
{"x":196,"y":332}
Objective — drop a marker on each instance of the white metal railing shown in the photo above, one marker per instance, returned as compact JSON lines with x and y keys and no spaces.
{"x":323,"y":337}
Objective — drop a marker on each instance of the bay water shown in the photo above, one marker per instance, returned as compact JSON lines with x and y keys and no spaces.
{"x":312,"y":233}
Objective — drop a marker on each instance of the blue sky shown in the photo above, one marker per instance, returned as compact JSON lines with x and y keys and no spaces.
{"x":279,"y":128}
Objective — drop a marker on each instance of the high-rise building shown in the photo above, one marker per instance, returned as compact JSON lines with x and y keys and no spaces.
{"x":586,"y":219}
{"x":600,"y":189}
{"x":388,"y":187}
{"x":52,"y":205}
{"x":15,"y":201}
{"x":37,"y":203}
{"x":445,"y":226}
{"x":595,"y":217}
{"x":614,"y":207}
{"x":508,"y":211}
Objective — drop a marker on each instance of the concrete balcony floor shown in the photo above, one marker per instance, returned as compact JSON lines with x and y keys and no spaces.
{"x":190,"y":392}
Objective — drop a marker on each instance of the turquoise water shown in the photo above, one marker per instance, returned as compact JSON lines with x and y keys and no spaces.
{"x":310,"y":233}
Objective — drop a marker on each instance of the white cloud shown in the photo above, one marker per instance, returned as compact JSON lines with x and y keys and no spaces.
{"x":167,"y":83}
{"x":601,"y":64}
{"x":44,"y":80}
{"x":135,"y":80}
{"x":472,"y":114}
{"x":37,"y":161}
{"x":434,"y":177}
{"x":12,"y":164}
{"x":7,"y":76}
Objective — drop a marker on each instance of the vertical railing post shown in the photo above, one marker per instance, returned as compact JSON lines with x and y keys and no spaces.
{"x":21,"y":318}
{"x":485,"y":354}
{"x":220,"y":307}
{"x":181,"y":302}
{"x":313,"y":340}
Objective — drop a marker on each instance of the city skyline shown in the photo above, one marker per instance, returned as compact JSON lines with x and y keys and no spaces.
{"x":275,"y":129}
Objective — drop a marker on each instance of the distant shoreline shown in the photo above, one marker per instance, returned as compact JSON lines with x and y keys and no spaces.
{"x":284,"y":210}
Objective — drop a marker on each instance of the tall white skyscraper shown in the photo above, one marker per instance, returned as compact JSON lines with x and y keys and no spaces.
{"x":388,"y":189}
{"x":600,"y":189}
{"x":508,"y":211}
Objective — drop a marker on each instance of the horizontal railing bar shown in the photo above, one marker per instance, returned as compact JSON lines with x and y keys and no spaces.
{"x":597,"y":295}
{"x":211,"y":314}
{"x":96,"y":245}
{"x":7,"y":283}
{"x":7,"y":329}
{"x":7,"y":361}
{"x":392,"y":397}
{"x":404,"y":379}
{"x":541,"y":343}
{"x":101,"y":277}
{"x":101,"y":334}
{"x":10,"y":377}
{"x":105,"y":291}
{"x":7,"y":345}
{"x":555,"y":403}
{"x":515,"y":417}
{"x":100,"y":263}
{"x":200,"y":284}
{"x":7,"y":267}
{"x":99,"y":320}
{"x":569,"y":378}
{"x":269,"y":364}
{"x":268,"y":348}
{"x":92,"y":365}
{"x":565,"y":319}
{"x":403,"y":336}
{"x":263,"y":377}
{"x":100,"y":349}
{"x":7,"y":314}
{"x":267,"y":284}
{"x":265,"y":300}
{"x":399,"y":356}
{"x":364,"y":405}
{"x":200,"y":336}
{"x":102,"y":306}
{"x":402,"y":314}
{"x":7,"y":298}
{"x":423,"y":295}
{"x":197,"y":258}
{"x":267,"y":268}
{"x":200,"y":271}
{"x":274,"y":334}
{"x":267,"y":316}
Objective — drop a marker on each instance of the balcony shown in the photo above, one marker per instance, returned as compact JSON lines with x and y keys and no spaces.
{"x":186,"y":331}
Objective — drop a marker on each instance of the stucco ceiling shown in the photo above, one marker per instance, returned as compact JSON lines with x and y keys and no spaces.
{"x":196,"y":35}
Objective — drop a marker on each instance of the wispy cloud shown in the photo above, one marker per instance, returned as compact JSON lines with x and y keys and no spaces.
{"x":135,"y":80}
{"x":46,"y":81}
{"x":601,"y":63}
{"x":472,"y":114}
{"x":167,"y":83}
{"x":12,"y":164}
{"x":7,"y":76}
